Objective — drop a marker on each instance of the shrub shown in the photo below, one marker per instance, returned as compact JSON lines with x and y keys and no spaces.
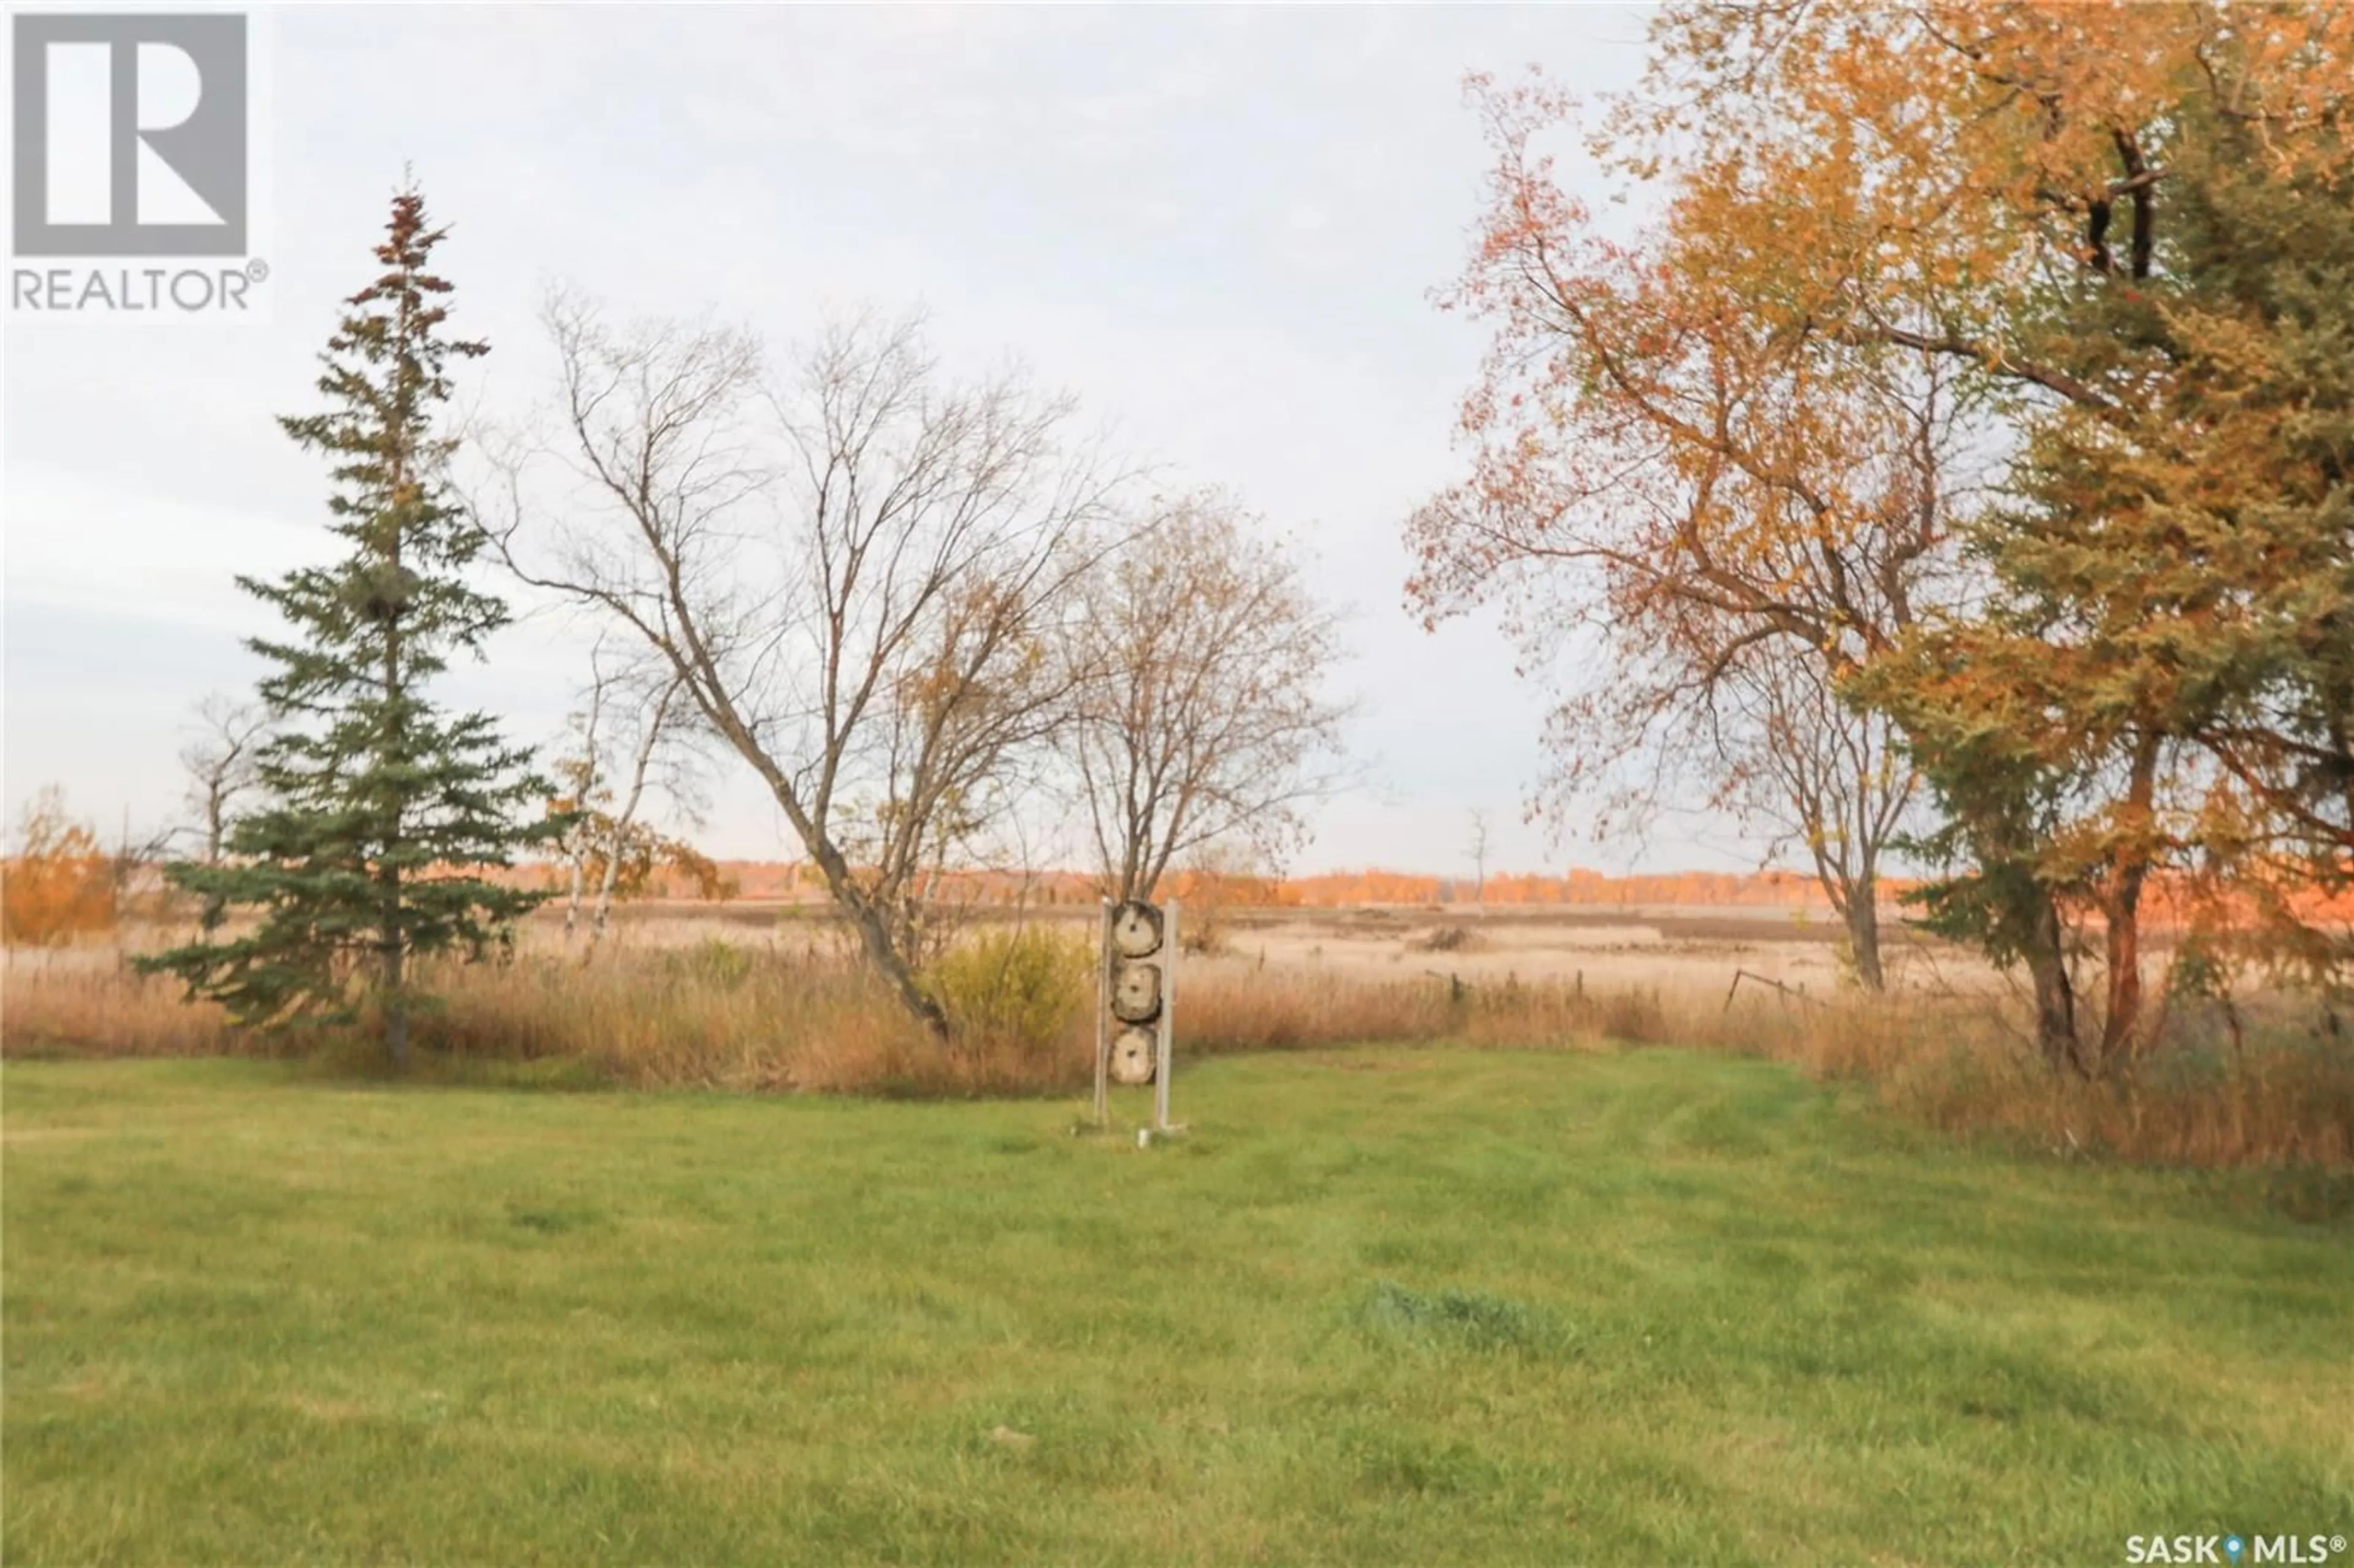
{"x":1020,"y":984}
{"x":1448,"y":938}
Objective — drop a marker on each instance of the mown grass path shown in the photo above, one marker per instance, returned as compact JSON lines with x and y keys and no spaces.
{"x":1384,"y":1306}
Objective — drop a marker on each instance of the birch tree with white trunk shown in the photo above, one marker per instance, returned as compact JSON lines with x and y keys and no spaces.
{"x":633,"y":736}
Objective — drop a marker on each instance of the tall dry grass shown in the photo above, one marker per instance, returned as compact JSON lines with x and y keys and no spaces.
{"x":87,"y":1001}
{"x":717,"y":1016}
{"x":1280,"y":1011}
{"x":2283,"y":1096}
{"x":723,"y":1015}
{"x":714,"y":1016}
{"x":730,"y":1016}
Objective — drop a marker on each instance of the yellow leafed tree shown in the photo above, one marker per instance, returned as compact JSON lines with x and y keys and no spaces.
{"x":59,"y":884}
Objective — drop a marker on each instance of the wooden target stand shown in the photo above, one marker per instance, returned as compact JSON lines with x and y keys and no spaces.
{"x":1136,"y":994}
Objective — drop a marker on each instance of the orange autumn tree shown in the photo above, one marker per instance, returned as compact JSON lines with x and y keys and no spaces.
{"x":2125,"y":225}
{"x":60,"y":884}
{"x":1732,"y":508}
{"x":1941,"y":219}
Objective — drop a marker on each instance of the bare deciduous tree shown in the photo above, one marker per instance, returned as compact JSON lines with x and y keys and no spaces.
{"x":1822,"y":773}
{"x":1479,"y":847}
{"x":219,"y":763}
{"x":852,"y":574}
{"x":633,"y":733}
{"x":1199,"y":662}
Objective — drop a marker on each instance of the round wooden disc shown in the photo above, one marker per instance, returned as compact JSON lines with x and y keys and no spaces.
{"x":1136,"y":993}
{"x":1135,"y":929}
{"x":1134,"y":1055}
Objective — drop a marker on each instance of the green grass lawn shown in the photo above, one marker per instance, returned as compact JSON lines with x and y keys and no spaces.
{"x":1383,"y":1306}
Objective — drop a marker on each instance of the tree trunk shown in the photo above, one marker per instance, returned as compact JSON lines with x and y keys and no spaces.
{"x":2056,"y":997}
{"x":2129,"y":869}
{"x":1863,"y":934}
{"x":1855,"y":898}
{"x":393,"y":749}
{"x":2123,"y":1020}
{"x":894,"y":967}
{"x":874,"y":935}
{"x":391,"y":938}
{"x":572,"y":903}
{"x":396,"y":999}
{"x":216,"y":906}
{"x":604,"y":910}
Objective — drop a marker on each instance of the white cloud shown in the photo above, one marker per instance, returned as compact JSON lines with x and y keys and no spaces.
{"x":1219,"y":226}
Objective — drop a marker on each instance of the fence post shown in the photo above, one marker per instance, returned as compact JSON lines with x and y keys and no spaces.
{"x":1170,"y":949}
{"x":1103,"y":1013}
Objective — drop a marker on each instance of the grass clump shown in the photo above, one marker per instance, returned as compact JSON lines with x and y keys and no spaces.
{"x":714,"y":962}
{"x":1465,"y":1319}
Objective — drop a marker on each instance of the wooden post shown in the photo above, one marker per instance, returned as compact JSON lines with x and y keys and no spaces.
{"x":1103,"y":1015}
{"x":1168,"y":1019}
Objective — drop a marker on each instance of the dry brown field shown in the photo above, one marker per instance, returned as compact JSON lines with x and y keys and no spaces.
{"x":1608,"y":948}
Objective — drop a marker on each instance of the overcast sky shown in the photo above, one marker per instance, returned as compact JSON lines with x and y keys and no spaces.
{"x":1218,"y":227}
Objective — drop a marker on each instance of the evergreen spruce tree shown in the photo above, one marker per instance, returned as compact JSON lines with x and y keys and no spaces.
{"x":383,"y":809}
